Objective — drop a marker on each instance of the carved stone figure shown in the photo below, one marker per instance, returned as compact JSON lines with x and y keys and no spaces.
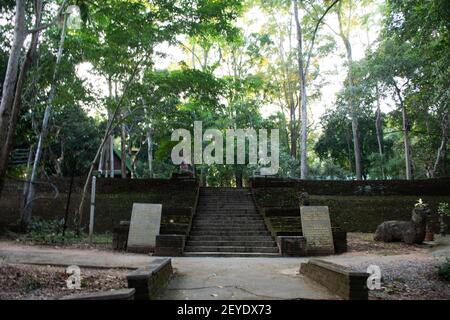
{"x":409,"y":232}
{"x":303,"y":198}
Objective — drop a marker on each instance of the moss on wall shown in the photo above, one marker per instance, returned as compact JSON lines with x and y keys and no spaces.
{"x":426,"y":187}
{"x":114,"y":202}
{"x":280,"y":207}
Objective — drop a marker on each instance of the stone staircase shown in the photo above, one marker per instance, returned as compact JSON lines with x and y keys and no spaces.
{"x":227,"y":224}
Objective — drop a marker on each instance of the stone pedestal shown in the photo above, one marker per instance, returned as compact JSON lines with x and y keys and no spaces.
{"x":169,"y":245}
{"x":292,"y":246}
{"x":120,"y":236}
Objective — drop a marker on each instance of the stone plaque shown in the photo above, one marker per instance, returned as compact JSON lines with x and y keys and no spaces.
{"x":316,"y":227}
{"x":144,"y":227}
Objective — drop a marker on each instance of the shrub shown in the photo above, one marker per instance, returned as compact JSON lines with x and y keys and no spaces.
{"x":48,"y":232}
{"x":29,"y":283}
{"x":443,"y":271}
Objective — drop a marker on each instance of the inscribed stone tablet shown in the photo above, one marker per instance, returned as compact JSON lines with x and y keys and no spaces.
{"x":316,"y":227}
{"x":144,"y":227}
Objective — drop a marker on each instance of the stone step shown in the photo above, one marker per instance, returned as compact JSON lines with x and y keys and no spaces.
{"x":226,"y":207}
{"x":230,"y":233}
{"x":232,"y":197}
{"x":228,"y":223}
{"x":230,"y":249}
{"x":223,"y":190}
{"x":231,"y":254}
{"x":242,"y":228}
{"x":270,"y":243}
{"x":201,"y":218}
{"x":236,"y":196}
{"x":230,"y":213}
{"x":230,"y":238}
{"x":214,"y":215}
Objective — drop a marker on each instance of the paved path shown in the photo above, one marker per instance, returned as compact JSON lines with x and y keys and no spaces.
{"x":195,"y":278}
{"x":12,"y":253}
{"x":241,"y":278}
{"x":215,"y":278}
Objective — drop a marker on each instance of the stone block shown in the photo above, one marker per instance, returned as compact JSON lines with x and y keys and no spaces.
{"x":120,"y":236}
{"x":292,"y":246}
{"x":150,"y":281}
{"x":340,"y":280}
{"x":170,"y":245}
{"x":122,"y":294}
{"x":340,"y":241}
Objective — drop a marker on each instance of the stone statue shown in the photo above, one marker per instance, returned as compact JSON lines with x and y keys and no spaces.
{"x":303,"y":198}
{"x":409,"y":232}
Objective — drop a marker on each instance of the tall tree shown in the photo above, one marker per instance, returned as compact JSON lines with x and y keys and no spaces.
{"x":9,"y":83}
{"x":26,"y":214}
{"x":344,"y":33}
{"x":14,"y":81}
{"x":304,"y":57}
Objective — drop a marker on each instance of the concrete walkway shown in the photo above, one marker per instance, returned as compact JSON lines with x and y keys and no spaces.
{"x":241,"y":278}
{"x":195,"y":278}
{"x":66,"y":257}
{"x":217,"y":278}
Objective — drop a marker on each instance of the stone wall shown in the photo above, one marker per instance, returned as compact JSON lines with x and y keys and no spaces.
{"x":114,"y":201}
{"x":426,"y":187}
{"x":354,"y":206}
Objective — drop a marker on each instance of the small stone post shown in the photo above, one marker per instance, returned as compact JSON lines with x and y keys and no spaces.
{"x":92,"y":212}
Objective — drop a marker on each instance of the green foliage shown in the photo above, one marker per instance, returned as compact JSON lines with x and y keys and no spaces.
{"x":29,"y":282}
{"x":47,"y":232}
{"x":443,"y":271}
{"x":444,"y":209}
{"x":229,"y":75}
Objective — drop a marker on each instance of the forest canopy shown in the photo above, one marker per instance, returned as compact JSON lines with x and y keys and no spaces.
{"x":357,"y":89}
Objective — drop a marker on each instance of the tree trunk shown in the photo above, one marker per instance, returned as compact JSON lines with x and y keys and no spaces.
{"x":123,"y":166}
{"x":349,"y":150}
{"x":111,"y":155}
{"x":406,"y":141}
{"x":27,"y":177}
{"x":150,"y":151}
{"x":379,"y":131}
{"x":26,"y":214}
{"x":9,"y":84}
{"x":110,"y":127}
{"x":101,"y":162}
{"x":303,"y":108}
{"x":289,"y":98}
{"x":441,"y":150}
{"x":293,"y":127}
{"x":353,"y":112}
{"x":17,"y":104}
{"x":356,"y":147}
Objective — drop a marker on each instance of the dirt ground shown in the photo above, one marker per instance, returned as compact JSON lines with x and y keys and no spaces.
{"x":363,"y":243}
{"x":409,"y":272}
{"x":29,"y":282}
